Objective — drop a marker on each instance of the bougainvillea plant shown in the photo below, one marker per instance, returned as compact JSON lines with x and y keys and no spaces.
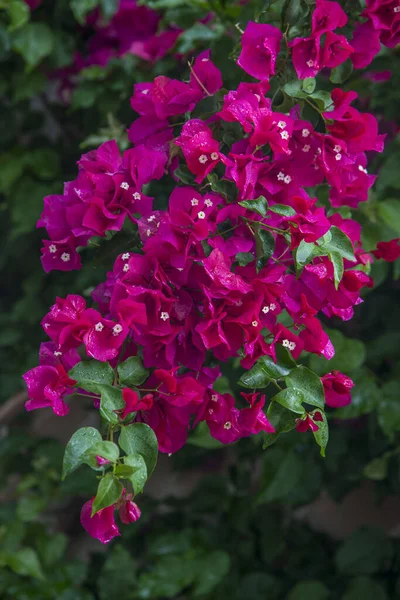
{"x":255,"y":250}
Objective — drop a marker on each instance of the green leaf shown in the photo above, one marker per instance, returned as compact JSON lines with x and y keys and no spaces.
{"x":109,"y":8}
{"x":309,"y":590}
{"x":282,"y":209}
{"x":309,"y":85}
{"x":364,"y":552}
{"x":281,"y":419}
{"x":81,"y":8}
{"x":322,"y":434}
{"x":389,"y":212}
{"x":294,"y":89}
{"x":132,"y":371}
{"x":265,"y":246}
{"x":76,"y":448}
{"x":183,"y":174}
{"x":338,"y":267}
{"x":89,"y":375}
{"x":388,"y":409}
{"x":244,"y":258}
{"x":190,"y":38}
{"x":337,"y":241}
{"x":341,"y":73}
{"x":212,"y":569}
{"x":105,"y":449}
{"x":377,"y":469}
{"x":29,"y":508}
{"x":108,"y":492}
{"x":18,"y":13}
{"x":266,"y":369}
{"x":140,"y":438}
{"x":223,"y":187}
{"x":25,"y":562}
{"x":260,"y":205}
{"x":287,"y":475}
{"x":292,"y":12}
{"x":323,"y":100}
{"x":309,"y":384}
{"x":139,"y":476}
{"x":34,"y":42}
{"x":110,"y":401}
{"x":44,"y":162}
{"x":291,"y":399}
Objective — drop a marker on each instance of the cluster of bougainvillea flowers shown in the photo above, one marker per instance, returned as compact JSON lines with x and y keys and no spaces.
{"x":134,"y":29}
{"x":242,"y":263}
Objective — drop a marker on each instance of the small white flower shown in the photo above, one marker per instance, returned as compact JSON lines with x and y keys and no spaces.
{"x":287,"y":179}
{"x":205,"y":59}
{"x":99,"y":326}
{"x":310,"y":63}
{"x":57,"y":353}
{"x":145,"y":92}
{"x":306,"y":148}
{"x":52,"y":248}
{"x":284,"y":135}
{"x":117,"y":329}
{"x":361,"y":168}
{"x":272,"y":306}
{"x":396,"y":9}
{"x":319,"y":151}
{"x":214,"y":398}
{"x":148,"y":232}
{"x":214,"y":156}
{"x":126,"y":268}
{"x":125,"y":256}
{"x":210,"y":411}
{"x":136,"y":196}
{"x":201,"y":215}
{"x":280,"y":176}
{"x":238,"y":303}
{"x":228,"y":425}
{"x":151,"y":219}
{"x":285,"y":343}
{"x":254,"y":323}
{"x":65,"y":257}
{"x":208,"y":202}
{"x":292,"y":346}
{"x":125,"y":185}
{"x":164,"y":316}
{"x":265,"y":309}
{"x":194,"y":202}
{"x":203,"y":159}
{"x":338,"y":156}
{"x":281,"y":124}
{"x":337,"y":148}
{"x":305,"y":132}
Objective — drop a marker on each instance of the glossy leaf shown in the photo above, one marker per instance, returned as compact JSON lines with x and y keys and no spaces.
{"x":78,"y":445}
{"x":132,"y":372}
{"x":307,"y":383}
{"x":89,"y":375}
{"x":140,"y":438}
{"x":108,"y":492}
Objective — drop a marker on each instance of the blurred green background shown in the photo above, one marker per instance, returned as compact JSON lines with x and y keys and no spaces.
{"x":217,"y":523}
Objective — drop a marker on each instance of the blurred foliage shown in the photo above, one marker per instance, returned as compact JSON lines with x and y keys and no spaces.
{"x":236,"y":535}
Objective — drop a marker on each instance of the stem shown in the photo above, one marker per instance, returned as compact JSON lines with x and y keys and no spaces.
{"x":198,"y":80}
{"x":261,"y":224}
